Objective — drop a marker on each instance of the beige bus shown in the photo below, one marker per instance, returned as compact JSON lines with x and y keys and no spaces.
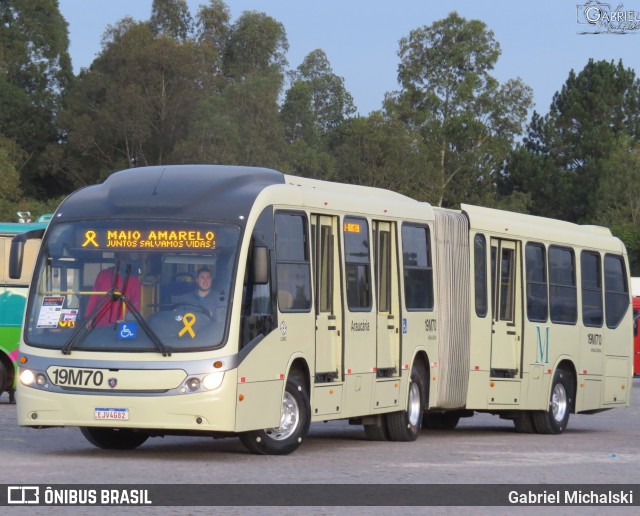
{"x":328,"y":301}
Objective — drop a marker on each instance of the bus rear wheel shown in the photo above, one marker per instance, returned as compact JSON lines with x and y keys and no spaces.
{"x":295,"y":418}
{"x":406,"y":425}
{"x":555,"y":419}
{"x":114,"y":438}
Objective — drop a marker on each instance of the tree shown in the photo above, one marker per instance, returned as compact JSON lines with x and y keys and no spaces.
{"x":378,"y":151}
{"x":133,"y":105}
{"x":10,"y":192}
{"x":316,"y":105}
{"x":171,"y":18}
{"x":35,"y":69}
{"x":561,"y":160}
{"x":465,"y":119}
{"x":619,"y":196}
{"x":257,"y":45}
{"x":239,"y":123}
{"x":212,"y":33}
{"x":330,"y":101}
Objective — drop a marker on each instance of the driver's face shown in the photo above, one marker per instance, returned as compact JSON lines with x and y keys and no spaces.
{"x":204,"y":280}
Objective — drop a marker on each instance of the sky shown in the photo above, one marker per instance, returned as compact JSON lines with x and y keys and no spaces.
{"x":541,"y":41}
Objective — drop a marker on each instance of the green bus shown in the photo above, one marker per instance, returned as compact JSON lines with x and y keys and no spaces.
{"x":13,"y":296}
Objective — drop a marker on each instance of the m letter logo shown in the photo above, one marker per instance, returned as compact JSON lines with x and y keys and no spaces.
{"x":542,"y":352}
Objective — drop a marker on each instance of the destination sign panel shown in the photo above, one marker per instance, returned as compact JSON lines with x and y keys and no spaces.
{"x":118,"y":238}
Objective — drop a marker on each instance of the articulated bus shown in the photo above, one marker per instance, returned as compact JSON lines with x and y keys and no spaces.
{"x":332,"y":301}
{"x":13,"y":297}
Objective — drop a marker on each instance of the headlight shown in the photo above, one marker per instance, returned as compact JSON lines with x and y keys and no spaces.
{"x":212,"y":381}
{"x":193,"y":384}
{"x":27,"y":377}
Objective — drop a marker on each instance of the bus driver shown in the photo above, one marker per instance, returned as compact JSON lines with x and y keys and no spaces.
{"x":203,"y":295}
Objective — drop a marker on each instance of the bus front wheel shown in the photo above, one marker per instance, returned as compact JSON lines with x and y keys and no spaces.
{"x":113,"y":438}
{"x":295,"y":418}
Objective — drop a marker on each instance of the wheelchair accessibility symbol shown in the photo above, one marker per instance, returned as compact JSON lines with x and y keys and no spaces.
{"x":127,"y":331}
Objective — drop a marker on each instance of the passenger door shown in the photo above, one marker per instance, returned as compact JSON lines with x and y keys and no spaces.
{"x":388,"y":306}
{"x":506,"y":293}
{"x":328,"y":298}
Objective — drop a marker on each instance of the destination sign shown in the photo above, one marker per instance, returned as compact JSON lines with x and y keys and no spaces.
{"x":351,"y":227}
{"x":116,"y":238}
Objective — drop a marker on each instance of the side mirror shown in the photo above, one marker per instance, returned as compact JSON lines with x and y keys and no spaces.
{"x":260,"y":266}
{"x":16,"y":256}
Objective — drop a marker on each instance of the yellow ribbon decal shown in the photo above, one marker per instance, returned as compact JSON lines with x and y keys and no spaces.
{"x":91,"y":239}
{"x":188,"y":320}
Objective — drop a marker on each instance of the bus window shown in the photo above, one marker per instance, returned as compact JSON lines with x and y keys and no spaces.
{"x":418,"y":271}
{"x":480,"y":274}
{"x":358,"y":263}
{"x":616,"y":290}
{"x":383,"y":270}
{"x":591,"y":289}
{"x":562,"y":286}
{"x":292,"y":262}
{"x":507,"y":285}
{"x":537,"y":305}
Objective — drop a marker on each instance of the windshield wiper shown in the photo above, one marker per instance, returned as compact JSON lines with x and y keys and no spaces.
{"x":83,"y":330}
{"x":165,"y":350}
{"x":111,"y":297}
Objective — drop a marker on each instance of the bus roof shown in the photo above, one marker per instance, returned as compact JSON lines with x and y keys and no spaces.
{"x":540,"y":228}
{"x":13,"y":228}
{"x":177,"y":190}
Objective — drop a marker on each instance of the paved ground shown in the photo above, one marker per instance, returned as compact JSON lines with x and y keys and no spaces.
{"x":602,"y":449}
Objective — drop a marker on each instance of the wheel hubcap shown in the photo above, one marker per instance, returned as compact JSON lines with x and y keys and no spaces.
{"x":289,"y":418}
{"x":413,"y":409}
{"x":559,"y":402}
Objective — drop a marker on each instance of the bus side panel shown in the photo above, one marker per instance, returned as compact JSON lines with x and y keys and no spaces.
{"x":259,"y":405}
{"x":262,"y":373}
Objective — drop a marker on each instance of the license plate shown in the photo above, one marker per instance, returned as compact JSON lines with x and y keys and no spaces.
{"x":111,"y":414}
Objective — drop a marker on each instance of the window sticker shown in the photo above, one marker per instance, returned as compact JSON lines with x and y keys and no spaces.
{"x":68,"y":318}
{"x":50,"y":311}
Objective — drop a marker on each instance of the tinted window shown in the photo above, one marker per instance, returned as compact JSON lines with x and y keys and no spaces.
{"x":418,"y":272}
{"x":536,"y":274}
{"x":480,"y":274}
{"x":292,"y":262}
{"x":616,"y":290}
{"x":591,"y":289}
{"x":357,"y":263}
{"x":562,"y":285}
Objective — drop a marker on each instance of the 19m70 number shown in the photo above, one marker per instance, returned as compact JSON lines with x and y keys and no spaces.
{"x":77,"y":377}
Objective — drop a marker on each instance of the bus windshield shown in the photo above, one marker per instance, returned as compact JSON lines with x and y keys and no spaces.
{"x":132,"y":286}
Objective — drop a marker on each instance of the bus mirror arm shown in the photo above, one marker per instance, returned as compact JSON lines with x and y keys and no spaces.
{"x":260,"y":265}
{"x":16,"y":255}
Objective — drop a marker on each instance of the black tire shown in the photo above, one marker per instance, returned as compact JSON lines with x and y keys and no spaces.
{"x":114,"y":438}
{"x":440,"y":421}
{"x":295,"y":419}
{"x":377,"y":431}
{"x":524,"y":423}
{"x":4,"y":378}
{"x":406,"y":425}
{"x":555,"y":419}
